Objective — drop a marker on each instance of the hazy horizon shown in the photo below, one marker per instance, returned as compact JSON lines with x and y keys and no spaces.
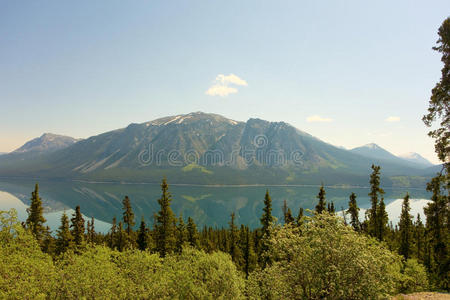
{"x":348,"y":73}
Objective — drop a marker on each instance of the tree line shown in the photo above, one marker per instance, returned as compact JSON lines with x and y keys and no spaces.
{"x":425,"y":242}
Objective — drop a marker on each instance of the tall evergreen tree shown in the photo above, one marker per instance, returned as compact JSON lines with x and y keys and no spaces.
{"x":353,"y":210}
{"x":382,"y":221}
{"x":64,"y":239}
{"x":121,"y":238}
{"x":113,"y":234}
{"x":299,"y":219}
{"x":192,"y":233}
{"x":437,"y":228}
{"x":419,"y":237}
{"x":234,"y":249}
{"x":267,"y":221}
{"x":249,"y":256}
{"x":321,"y":206}
{"x":128,"y":215}
{"x":35,"y":221}
{"x":142,"y":238}
{"x":165,"y":223}
{"x":181,"y":235}
{"x":373,"y":225}
{"x":77,"y":225}
{"x":405,"y":227}
{"x":287,"y":213}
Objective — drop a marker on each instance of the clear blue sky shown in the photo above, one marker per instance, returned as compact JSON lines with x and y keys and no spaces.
{"x":81,"y":68}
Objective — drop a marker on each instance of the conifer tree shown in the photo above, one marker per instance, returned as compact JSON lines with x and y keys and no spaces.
{"x":267,"y":221}
{"x":77,"y":225}
{"x":181,"y":235}
{"x":353,"y":210}
{"x":165,"y":223}
{"x":249,"y":256}
{"x":121,"y":238}
{"x":128,"y":215}
{"x":331,"y":208}
{"x":234,"y":249}
{"x":113,"y":233}
{"x":382,"y":221}
{"x":142,"y":238}
{"x":437,"y":228}
{"x":374,"y":220}
{"x":299,"y":219}
{"x":91,"y":231}
{"x":287,"y":213}
{"x":419,"y":236}
{"x":192,"y":234}
{"x":321,"y":206}
{"x":35,"y":221}
{"x":64,"y":239}
{"x":405,"y":229}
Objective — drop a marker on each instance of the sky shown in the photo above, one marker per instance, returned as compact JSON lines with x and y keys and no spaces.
{"x":347,"y":72}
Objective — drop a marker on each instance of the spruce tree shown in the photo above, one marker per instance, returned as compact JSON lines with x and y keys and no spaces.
{"x":419,"y":237}
{"x":128,"y":215}
{"x":181,"y":235}
{"x":287,"y":213}
{"x":113,"y":233}
{"x":405,"y":229}
{"x":142,"y":241}
{"x":249,"y":256}
{"x":91,"y":231}
{"x":437,"y":228}
{"x":192,"y":233}
{"x":267,"y":221}
{"x":64,"y":239}
{"x":165,"y":223}
{"x":321,"y":206}
{"x":299,"y":219}
{"x":122,"y":238}
{"x":77,"y":225}
{"x":373,"y":225}
{"x":353,"y":210}
{"x":35,"y":221}
{"x":382,"y":221}
{"x":234,"y":249}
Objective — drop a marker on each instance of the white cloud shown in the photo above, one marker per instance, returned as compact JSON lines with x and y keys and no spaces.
{"x":220,"y":90}
{"x":221,"y":86}
{"x":392,"y":119}
{"x":317,"y":118}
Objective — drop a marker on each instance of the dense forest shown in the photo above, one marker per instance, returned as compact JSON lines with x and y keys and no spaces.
{"x":308,"y":255}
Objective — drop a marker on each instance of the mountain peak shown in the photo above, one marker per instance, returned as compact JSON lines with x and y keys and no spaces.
{"x":47,"y":142}
{"x":416,"y":158}
{"x":191,"y":117}
{"x":372,"y":146}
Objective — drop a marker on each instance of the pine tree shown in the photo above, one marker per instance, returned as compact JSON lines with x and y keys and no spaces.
{"x":121,"y":238}
{"x":128,"y":215}
{"x":287,"y":213}
{"x":234,"y":250}
{"x":437,"y":228}
{"x":113,"y":233}
{"x":331,"y":208}
{"x":373,"y":225}
{"x":181,"y":235}
{"x":142,"y":238}
{"x":353,"y":210}
{"x":419,"y":236}
{"x":165,"y":223}
{"x":299,"y":219}
{"x":405,"y":229}
{"x":267,"y":221}
{"x":321,"y":206}
{"x":192,"y":234}
{"x":77,"y":225}
{"x":249,"y":256}
{"x":382,"y":221}
{"x":91,"y":231}
{"x":35,"y":221}
{"x":64,"y":239}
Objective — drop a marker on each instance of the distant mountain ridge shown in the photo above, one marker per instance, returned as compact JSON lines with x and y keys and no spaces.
{"x":374,"y":151}
{"x":204,"y":148}
{"x":46,"y":143}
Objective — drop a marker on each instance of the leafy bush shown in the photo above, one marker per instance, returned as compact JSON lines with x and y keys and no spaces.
{"x":325,"y":259}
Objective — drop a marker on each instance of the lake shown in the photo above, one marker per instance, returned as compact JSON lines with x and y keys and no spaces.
{"x":207,"y":205}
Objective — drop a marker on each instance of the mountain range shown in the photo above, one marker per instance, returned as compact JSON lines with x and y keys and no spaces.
{"x":202,"y":148}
